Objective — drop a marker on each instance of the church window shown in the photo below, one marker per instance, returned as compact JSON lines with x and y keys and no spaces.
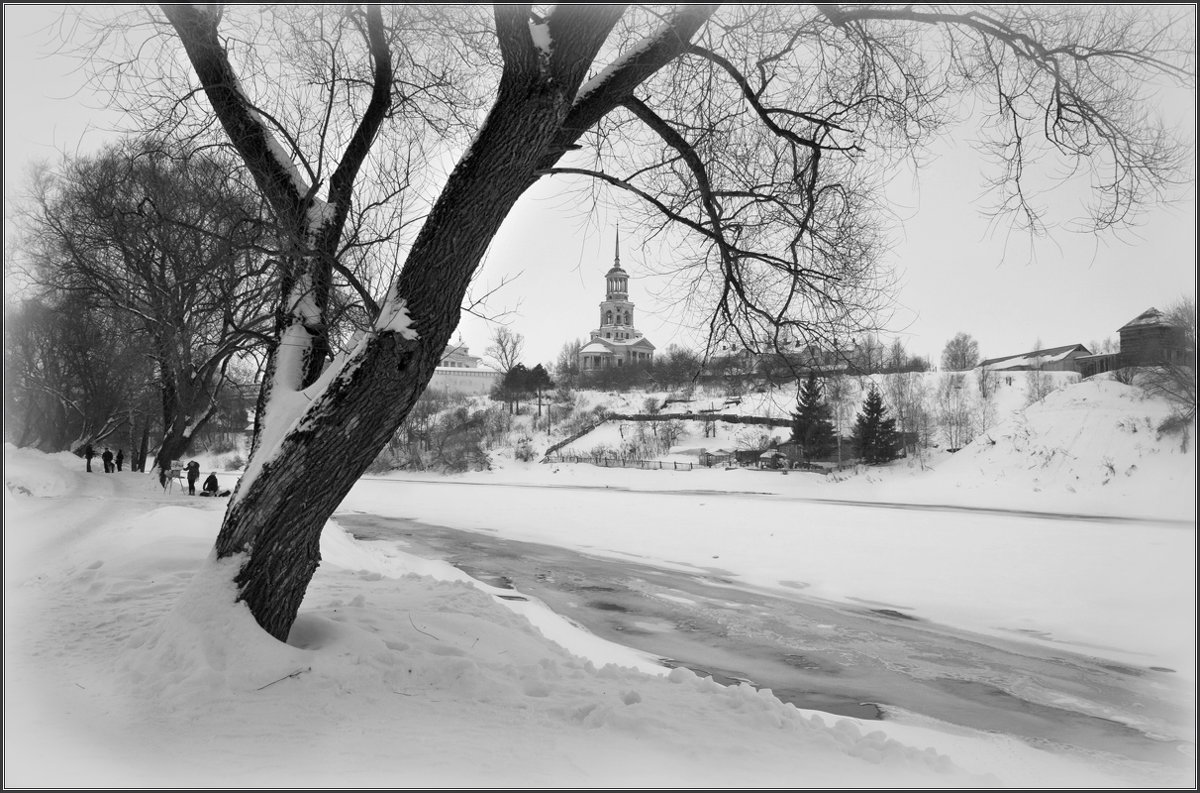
{"x":608,"y":318}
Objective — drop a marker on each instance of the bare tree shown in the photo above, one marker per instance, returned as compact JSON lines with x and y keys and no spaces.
{"x":1038,"y":382}
{"x":839,"y":397}
{"x":566,"y":367}
{"x":754,"y":134}
{"x":955,"y":412}
{"x":960,"y":353}
{"x":897,"y":357}
{"x":72,"y":375}
{"x":905,"y":394}
{"x":169,"y":242}
{"x":986,"y":384}
{"x":506,"y":348}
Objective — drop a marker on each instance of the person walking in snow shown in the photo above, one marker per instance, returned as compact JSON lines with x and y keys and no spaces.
{"x":120,"y":459}
{"x":108,"y":461}
{"x":193,"y":469}
{"x":89,"y":453}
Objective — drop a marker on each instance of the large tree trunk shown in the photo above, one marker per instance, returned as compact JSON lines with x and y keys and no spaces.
{"x":298,"y":477}
{"x":276,"y":519}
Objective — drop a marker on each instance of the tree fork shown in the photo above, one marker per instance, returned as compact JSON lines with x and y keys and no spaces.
{"x":277,"y":521}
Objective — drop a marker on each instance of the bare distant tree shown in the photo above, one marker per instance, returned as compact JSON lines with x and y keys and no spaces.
{"x":987,"y":383}
{"x":755,"y":137}
{"x":960,"y":353}
{"x":1038,"y":382}
{"x":506,"y":348}
{"x":566,"y":367}
{"x":870,"y":354}
{"x":896,"y":358}
{"x":905,"y":394}
{"x":72,"y":374}
{"x":1107,"y":346}
{"x":955,"y":411}
{"x":171,"y":243}
{"x":839,"y":396}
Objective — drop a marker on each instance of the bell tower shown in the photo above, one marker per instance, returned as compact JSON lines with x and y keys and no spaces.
{"x":616,"y":312}
{"x":616,"y":342}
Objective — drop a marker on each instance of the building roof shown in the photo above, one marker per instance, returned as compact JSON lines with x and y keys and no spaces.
{"x":612,"y":345}
{"x":1148,"y":318}
{"x":1039,"y":357}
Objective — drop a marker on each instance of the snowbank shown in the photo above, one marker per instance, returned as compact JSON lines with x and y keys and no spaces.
{"x":1097,"y":440}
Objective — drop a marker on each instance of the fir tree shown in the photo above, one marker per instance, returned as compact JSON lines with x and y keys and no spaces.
{"x":875,"y":436}
{"x":812,"y":428}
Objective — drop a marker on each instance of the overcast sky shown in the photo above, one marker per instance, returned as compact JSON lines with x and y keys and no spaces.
{"x":954,"y":273}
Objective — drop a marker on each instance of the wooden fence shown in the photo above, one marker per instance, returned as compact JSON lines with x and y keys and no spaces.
{"x":619,"y":462}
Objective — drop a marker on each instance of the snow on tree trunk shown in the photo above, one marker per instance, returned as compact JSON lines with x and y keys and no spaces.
{"x":296,"y":482}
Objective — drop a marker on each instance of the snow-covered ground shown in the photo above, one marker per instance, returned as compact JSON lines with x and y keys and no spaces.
{"x":127,"y":663}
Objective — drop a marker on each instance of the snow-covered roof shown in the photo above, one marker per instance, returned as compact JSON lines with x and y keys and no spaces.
{"x":611,"y":345}
{"x":1037,"y":357}
{"x":1148,"y":318}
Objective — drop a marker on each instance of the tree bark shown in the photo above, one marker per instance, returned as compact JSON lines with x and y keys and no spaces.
{"x":275,"y":518}
{"x":277,"y":521}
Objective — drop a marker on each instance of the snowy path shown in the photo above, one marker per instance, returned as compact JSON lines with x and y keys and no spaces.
{"x":831,"y":657}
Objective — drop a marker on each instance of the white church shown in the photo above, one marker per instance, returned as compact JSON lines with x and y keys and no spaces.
{"x":616,"y":342}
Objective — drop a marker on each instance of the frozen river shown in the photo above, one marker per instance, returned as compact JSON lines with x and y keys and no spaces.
{"x":861,"y":659}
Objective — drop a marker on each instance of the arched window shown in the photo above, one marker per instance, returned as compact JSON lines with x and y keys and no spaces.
{"x":626,"y":317}
{"x":608,"y":318}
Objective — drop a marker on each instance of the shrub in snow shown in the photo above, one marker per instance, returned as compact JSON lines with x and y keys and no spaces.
{"x":524,"y":450}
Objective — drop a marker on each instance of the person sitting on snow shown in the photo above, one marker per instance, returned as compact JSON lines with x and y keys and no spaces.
{"x":212,"y":487}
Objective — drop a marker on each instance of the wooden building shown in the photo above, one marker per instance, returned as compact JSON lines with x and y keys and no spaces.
{"x":1149,"y":339}
{"x":1054,"y":359}
{"x":1146,"y":340}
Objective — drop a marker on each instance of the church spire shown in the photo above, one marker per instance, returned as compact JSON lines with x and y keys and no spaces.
{"x":617,"y":250}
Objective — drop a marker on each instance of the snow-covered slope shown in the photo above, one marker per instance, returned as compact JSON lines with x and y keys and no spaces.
{"x":1097,"y":440}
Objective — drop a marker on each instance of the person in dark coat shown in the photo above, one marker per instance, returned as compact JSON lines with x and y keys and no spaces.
{"x":211,"y":486}
{"x":120,"y":459}
{"x":108,"y":463}
{"x":193,"y":469}
{"x":89,"y":453}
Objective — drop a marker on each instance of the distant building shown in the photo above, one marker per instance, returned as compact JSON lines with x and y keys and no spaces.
{"x":1054,"y":359}
{"x":459,"y":372}
{"x":457,"y":356}
{"x":1146,"y":340}
{"x":616,"y":342}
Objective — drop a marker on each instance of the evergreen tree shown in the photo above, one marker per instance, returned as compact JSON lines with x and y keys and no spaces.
{"x":513,"y":387}
{"x":538,"y":382}
{"x":875,"y":436}
{"x":812,"y":427}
